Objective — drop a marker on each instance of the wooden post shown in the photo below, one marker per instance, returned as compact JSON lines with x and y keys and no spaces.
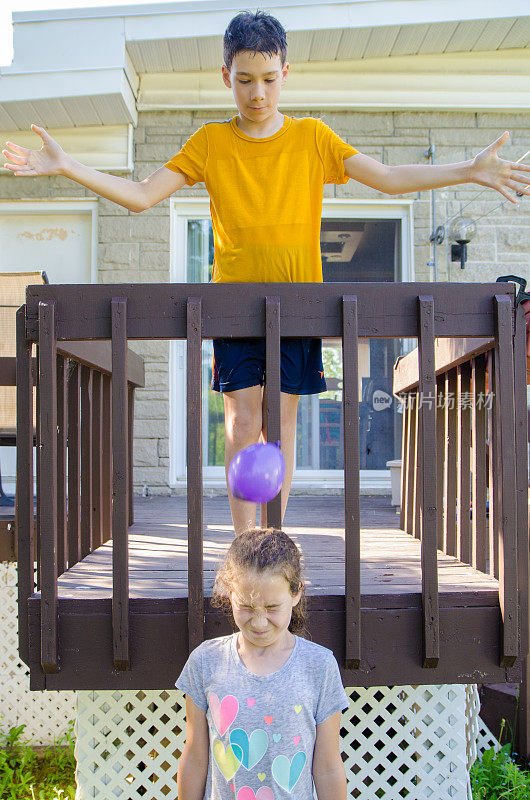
{"x":427,"y":421}
{"x":86,"y":461}
{"x":479,"y":475}
{"x":107,"y":460}
{"x":24,"y":510}
{"x":120,"y":487}
{"x":62,"y":417}
{"x":521,"y":461}
{"x":97,"y":458}
{"x":74,"y":469}
{"x":411,"y":463}
{"x":440,"y":459}
{"x":194,"y":474}
{"x":451,"y":433}
{"x":272,"y":370}
{"x":404,"y":455}
{"x":130,"y":398}
{"x":352,"y":508}
{"x":463,"y":462}
{"x":504,"y":404}
{"x":48,"y":486}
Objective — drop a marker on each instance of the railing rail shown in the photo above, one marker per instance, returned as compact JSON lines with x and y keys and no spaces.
{"x":73,"y":383}
{"x":492,"y":538}
{"x":346,"y":311}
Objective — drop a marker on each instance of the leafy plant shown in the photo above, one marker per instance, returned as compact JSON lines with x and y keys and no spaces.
{"x":26,"y":775}
{"x":496,"y":776}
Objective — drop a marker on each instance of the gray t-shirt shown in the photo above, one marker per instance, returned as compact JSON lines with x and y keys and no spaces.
{"x":262,"y":727}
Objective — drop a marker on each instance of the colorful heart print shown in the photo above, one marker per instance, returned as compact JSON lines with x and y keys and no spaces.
{"x":251,"y":701}
{"x":225,"y":759}
{"x":287,"y":773}
{"x":261,"y":776}
{"x":276,"y":737}
{"x":268,"y":720}
{"x":224,"y":712}
{"x":298,"y":709}
{"x":249,"y":750}
{"x":296,"y":739}
{"x":232,"y":786}
{"x":263,"y":793}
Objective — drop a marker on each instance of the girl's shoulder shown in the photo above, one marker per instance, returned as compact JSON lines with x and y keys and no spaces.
{"x":212,"y":648}
{"x":315,"y":652}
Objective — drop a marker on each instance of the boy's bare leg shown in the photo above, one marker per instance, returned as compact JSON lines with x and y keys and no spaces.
{"x":289,"y":408}
{"x":243,"y":422}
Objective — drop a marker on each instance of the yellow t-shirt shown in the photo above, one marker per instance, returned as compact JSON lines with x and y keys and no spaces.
{"x":265,"y":196}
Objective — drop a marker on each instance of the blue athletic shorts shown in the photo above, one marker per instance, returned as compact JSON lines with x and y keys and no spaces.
{"x":240,"y":363}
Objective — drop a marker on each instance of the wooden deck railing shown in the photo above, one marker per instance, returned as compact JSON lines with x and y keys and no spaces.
{"x":74,"y":435}
{"x":347,"y":311}
{"x":481,"y":450}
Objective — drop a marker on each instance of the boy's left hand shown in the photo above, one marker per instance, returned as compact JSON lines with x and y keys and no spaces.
{"x":487,"y":169}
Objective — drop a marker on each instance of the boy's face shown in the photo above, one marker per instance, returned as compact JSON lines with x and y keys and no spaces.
{"x":256,"y":80}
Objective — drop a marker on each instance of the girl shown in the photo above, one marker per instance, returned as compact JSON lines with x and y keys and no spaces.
{"x":263,"y":705}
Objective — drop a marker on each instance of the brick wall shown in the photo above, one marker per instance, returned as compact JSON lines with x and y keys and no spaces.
{"x":135,"y":247}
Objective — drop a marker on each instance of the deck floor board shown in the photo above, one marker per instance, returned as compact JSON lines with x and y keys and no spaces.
{"x":391,"y":559}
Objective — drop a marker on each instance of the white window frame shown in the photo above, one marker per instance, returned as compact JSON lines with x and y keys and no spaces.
{"x":182,"y":209}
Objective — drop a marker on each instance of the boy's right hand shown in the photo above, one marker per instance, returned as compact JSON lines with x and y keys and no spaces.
{"x":49,"y":160}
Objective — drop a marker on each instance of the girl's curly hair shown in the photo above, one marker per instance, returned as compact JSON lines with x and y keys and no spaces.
{"x":259,"y":550}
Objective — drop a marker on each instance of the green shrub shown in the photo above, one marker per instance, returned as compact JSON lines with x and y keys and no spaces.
{"x":26,"y":775}
{"x":496,"y":776}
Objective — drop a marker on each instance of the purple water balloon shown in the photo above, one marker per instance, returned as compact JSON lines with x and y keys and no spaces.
{"x":256,"y":473}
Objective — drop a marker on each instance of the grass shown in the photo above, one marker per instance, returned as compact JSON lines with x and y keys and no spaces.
{"x":28,"y":775}
{"x":497,"y":776}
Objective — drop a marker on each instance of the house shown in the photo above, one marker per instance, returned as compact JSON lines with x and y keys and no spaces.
{"x":408,"y":90}
{"x":404,"y":83}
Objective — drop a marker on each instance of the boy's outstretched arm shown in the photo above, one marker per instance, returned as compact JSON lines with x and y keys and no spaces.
{"x":52,"y":160}
{"x":485,"y":169}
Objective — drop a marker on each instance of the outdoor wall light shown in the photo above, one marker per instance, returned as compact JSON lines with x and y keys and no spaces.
{"x":462,"y":230}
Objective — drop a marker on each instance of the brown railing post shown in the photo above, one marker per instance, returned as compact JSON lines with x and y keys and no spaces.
{"x":352,"y":510}
{"x":120,"y":487}
{"x":493,"y":542}
{"x":86,"y":461}
{"x":37,"y":470}
{"x":404,"y":453}
{"x":62,"y":417}
{"x":521,"y":462}
{"x":74,"y":469}
{"x":194,"y":473}
{"x":427,"y":424}
{"x":416,"y":518}
{"x":451,"y":434}
{"x":463,"y":462}
{"x":48,"y":486}
{"x":479,"y":540}
{"x":24,"y":509}
{"x":411,"y":464}
{"x":107,"y":460}
{"x":440,"y":459}
{"x":96,"y":461}
{"x":273,"y":402}
{"x":504,"y":405}
{"x":130,"y":398}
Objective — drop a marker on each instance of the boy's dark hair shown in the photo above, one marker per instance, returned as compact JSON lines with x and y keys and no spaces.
{"x":258,"y":32}
{"x":262,"y":550}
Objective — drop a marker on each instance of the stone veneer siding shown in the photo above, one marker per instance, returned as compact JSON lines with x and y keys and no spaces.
{"x":135,"y":247}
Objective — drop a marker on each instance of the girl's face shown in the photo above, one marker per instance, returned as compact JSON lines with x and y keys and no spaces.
{"x":262,"y":606}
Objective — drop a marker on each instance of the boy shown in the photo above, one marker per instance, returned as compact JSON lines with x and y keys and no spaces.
{"x":265,"y":174}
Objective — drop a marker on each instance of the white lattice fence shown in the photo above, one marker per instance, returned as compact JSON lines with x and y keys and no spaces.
{"x":45,"y":714}
{"x":397,"y":742}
